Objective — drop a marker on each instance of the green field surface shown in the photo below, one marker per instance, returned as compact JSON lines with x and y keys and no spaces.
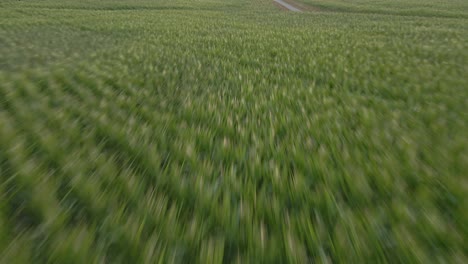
{"x":426,"y":8}
{"x":232,"y":131}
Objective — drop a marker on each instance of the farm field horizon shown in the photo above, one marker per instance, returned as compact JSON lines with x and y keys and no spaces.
{"x":233,"y":131}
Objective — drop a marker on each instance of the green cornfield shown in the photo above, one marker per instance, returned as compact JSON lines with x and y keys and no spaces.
{"x":233,"y":131}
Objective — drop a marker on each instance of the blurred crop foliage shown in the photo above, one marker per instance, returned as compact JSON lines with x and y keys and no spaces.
{"x":217,"y":131}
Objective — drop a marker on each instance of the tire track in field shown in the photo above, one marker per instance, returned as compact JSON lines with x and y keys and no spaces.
{"x":287,"y":6}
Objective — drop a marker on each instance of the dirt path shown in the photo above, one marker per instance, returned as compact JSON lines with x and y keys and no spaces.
{"x":287,"y":6}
